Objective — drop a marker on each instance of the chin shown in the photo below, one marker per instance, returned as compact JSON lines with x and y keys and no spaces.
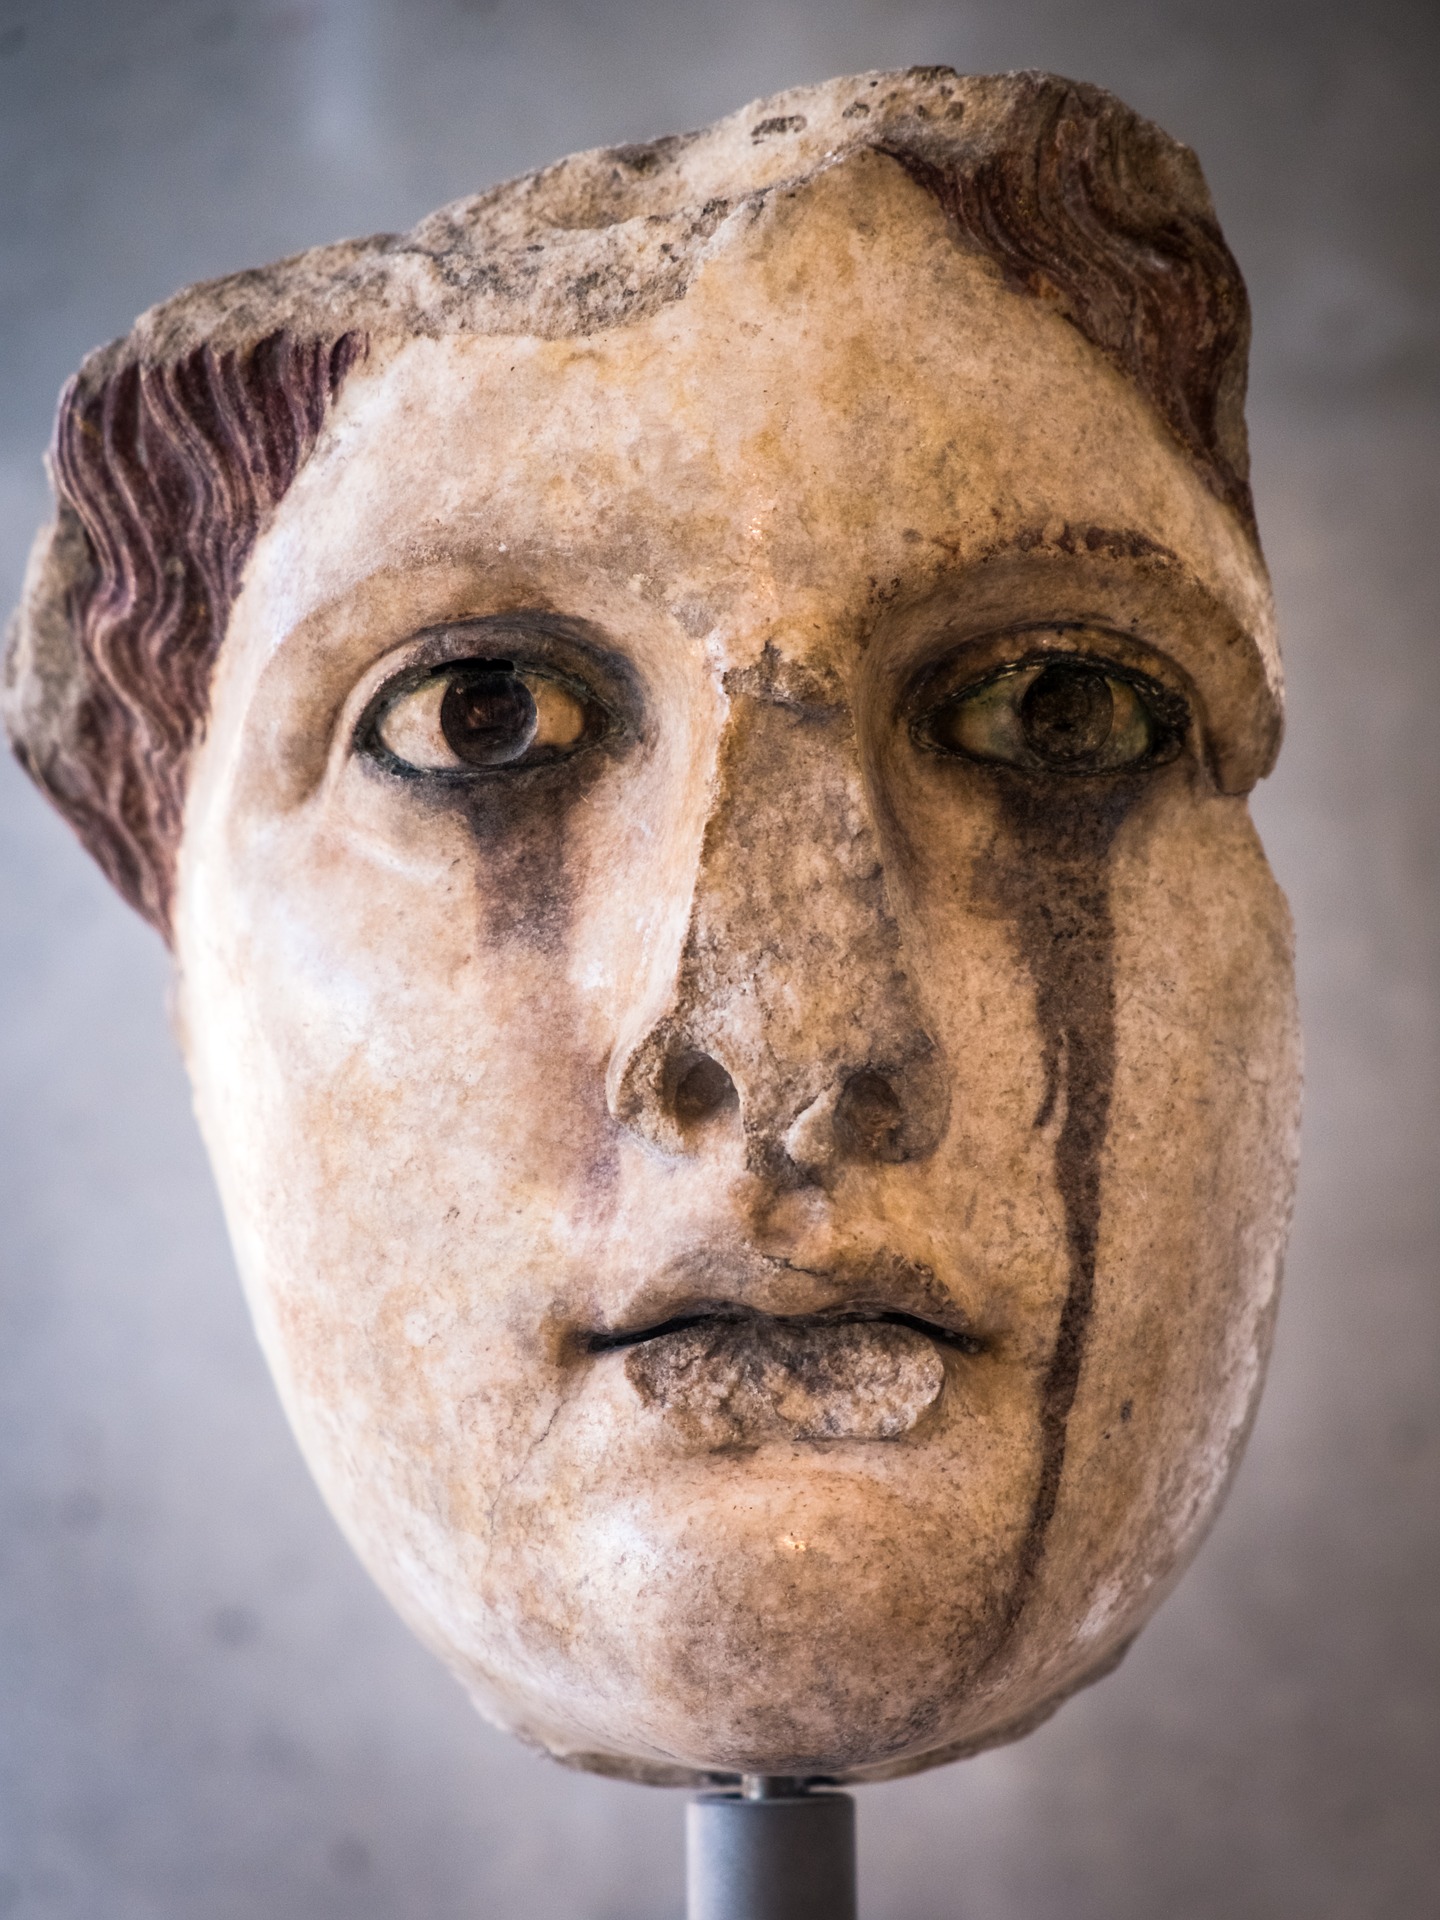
{"x":789,"y":1610}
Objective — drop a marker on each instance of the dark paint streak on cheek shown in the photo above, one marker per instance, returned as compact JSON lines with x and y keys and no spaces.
{"x":521,"y":828}
{"x":1048,"y":872}
{"x":527,"y":893}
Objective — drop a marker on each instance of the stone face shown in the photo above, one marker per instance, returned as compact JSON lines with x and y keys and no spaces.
{"x":743,"y":1027}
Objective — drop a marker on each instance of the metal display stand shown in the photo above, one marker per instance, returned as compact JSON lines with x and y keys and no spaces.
{"x":773,"y":1851}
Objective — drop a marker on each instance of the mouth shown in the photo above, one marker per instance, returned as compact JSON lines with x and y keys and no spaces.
{"x":726,"y":1314}
{"x":726,"y":1376}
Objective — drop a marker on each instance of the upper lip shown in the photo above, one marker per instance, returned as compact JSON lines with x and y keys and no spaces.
{"x":705,"y":1287}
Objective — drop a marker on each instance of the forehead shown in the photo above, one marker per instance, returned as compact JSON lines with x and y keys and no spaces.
{"x":845,"y":403}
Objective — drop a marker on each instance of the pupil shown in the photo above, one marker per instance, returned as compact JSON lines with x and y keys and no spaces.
{"x":1067,"y":714}
{"x":489,"y":717}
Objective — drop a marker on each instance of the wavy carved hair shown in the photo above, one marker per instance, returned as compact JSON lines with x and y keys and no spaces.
{"x":168,"y":472}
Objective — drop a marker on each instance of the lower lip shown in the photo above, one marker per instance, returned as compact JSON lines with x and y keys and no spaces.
{"x":738,"y":1383}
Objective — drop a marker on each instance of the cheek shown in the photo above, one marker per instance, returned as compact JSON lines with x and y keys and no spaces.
{"x":399,"y":1019}
{"x":410,"y":980}
{"x":1178,"y":1007}
{"x":990,"y":1192}
{"x":403,"y":1024}
{"x":1198,"y":1173}
{"x":1201,"y":1155}
{"x":1201,"y":1148}
{"x":402,"y":1093}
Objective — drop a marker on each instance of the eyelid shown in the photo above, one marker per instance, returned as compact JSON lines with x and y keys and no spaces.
{"x":976,"y":662}
{"x":539,"y":641}
{"x":1209,"y":640}
{"x":942,"y":714}
{"x":400,"y":688}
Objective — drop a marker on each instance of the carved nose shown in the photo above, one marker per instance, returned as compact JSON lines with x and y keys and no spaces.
{"x":864,"y":1115}
{"x":703,"y":1091}
{"x":868,"y":1115}
{"x":869,"y":1118}
{"x":791,"y":1014}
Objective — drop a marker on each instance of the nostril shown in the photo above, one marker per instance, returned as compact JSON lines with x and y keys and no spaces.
{"x":702,"y":1090}
{"x":869,"y":1117}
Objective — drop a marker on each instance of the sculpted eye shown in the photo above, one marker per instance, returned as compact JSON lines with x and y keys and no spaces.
{"x":1066,"y":714}
{"x":480,"y":715}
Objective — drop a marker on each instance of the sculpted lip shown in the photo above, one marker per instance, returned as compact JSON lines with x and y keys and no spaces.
{"x":728,"y":1377}
{"x":703,"y":1290}
{"x":729,"y":1313}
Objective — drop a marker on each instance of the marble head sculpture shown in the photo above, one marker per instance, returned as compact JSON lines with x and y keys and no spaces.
{"x":689,"y":723}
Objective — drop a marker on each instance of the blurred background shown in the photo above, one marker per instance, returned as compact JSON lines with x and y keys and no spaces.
{"x":204,"y":1709}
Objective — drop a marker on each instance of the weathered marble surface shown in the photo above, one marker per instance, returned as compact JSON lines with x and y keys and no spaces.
{"x":772,"y":945}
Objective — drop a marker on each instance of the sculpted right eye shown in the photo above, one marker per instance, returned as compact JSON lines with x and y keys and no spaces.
{"x":1070,"y":714}
{"x":473,"y":717}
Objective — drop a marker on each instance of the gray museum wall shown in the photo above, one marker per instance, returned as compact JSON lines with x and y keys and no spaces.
{"x":204,"y":1708}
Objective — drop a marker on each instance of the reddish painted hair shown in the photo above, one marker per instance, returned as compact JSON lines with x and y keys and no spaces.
{"x":170,"y":472}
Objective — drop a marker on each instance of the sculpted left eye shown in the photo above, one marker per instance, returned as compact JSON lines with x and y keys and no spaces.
{"x":1065,"y":715}
{"x":478,"y":715}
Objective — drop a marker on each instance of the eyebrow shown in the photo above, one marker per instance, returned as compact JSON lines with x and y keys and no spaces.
{"x":1078,"y":541}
